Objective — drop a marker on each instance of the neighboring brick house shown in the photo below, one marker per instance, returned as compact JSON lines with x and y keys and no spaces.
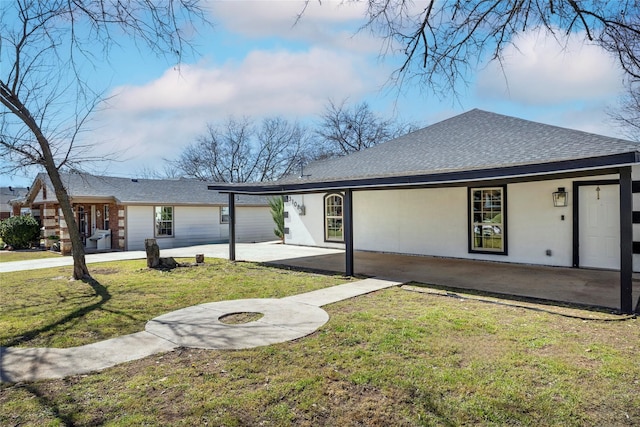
{"x":10,"y":201}
{"x":177,"y":212}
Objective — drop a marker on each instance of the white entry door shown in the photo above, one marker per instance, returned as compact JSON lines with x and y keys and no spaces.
{"x":600,"y":226}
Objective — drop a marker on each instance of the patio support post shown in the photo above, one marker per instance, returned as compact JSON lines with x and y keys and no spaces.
{"x":626,"y":241}
{"x":232,"y":227}
{"x":348,"y":231}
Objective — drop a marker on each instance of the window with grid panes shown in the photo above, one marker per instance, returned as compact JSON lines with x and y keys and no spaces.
{"x":333,"y":231}
{"x":487,"y":219}
{"x":164,"y":221}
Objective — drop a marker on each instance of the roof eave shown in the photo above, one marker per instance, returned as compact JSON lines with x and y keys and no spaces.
{"x":434,"y":179}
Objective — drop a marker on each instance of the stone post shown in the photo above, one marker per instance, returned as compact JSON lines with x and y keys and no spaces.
{"x":153,"y":253}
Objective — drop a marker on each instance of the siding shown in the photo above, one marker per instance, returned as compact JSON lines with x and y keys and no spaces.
{"x":198,"y":225}
{"x":254,"y":224}
{"x":139,"y":226}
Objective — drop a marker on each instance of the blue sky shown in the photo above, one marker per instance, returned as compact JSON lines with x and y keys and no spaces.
{"x":255,"y":62}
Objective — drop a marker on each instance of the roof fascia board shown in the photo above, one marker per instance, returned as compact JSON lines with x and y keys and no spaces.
{"x":545,"y":171}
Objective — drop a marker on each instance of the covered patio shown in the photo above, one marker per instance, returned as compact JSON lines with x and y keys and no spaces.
{"x":449,"y":183}
{"x":587,"y":287}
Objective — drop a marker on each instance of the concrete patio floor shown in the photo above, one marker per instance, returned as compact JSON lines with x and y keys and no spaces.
{"x":588,"y":287}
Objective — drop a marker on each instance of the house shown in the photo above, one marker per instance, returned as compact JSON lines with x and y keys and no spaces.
{"x":120,"y":213}
{"x":8,"y":198}
{"x":480,"y":186}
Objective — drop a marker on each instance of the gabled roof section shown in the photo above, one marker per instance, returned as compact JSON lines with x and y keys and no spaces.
{"x":140,"y":191}
{"x":462,"y":147}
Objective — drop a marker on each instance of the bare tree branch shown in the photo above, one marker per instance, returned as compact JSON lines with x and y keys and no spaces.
{"x":344,"y":129}
{"x":239,"y":151}
{"x":46,"y":96}
{"x":445,"y":40}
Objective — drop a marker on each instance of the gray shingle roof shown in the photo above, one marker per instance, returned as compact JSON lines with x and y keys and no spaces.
{"x":145,"y":191}
{"x":11,"y":193}
{"x":473,"y":140}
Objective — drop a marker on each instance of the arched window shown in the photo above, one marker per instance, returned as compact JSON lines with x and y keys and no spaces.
{"x":333,"y":230}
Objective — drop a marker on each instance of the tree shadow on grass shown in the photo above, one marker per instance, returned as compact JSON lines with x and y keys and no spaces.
{"x":51,"y":406}
{"x":99,"y":291}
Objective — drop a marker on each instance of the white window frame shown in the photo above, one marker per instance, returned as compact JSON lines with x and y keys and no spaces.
{"x":333,"y":216}
{"x":158,"y":211}
{"x":224,"y":214}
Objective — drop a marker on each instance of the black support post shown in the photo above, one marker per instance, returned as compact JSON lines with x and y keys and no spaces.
{"x":232,"y":227}
{"x":348,"y":231}
{"x":626,"y":241}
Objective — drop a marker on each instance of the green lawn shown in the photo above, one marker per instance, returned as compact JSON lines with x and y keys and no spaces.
{"x":389,"y":358}
{"x":25,"y":255}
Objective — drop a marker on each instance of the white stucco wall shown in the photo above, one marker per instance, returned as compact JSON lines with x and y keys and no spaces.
{"x":307,"y":229}
{"x":194,"y":225}
{"x":411,"y":221}
{"x":435,"y":222}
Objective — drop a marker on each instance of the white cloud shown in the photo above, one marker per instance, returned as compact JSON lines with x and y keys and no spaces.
{"x":329,"y":24}
{"x":540,"y":71}
{"x":265,"y":83}
{"x":156,"y":120}
{"x":268,"y":17}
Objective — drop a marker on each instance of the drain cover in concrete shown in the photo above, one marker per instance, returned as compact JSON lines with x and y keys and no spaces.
{"x":199,"y":326}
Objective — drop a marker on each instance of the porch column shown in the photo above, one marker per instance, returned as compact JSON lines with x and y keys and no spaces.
{"x":348,"y":231}
{"x":626,"y":241}
{"x":232,"y":227}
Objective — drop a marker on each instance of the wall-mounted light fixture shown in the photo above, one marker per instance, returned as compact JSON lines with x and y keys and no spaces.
{"x":560,"y":197}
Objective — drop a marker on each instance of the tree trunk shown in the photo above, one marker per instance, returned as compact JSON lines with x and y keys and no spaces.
{"x":15,"y":105}
{"x":80,"y":270}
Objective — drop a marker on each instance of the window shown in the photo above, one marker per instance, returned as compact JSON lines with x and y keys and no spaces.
{"x":164,"y":221}
{"x":488,"y":220}
{"x":224,"y":214}
{"x":105,"y":210}
{"x":333,"y":231}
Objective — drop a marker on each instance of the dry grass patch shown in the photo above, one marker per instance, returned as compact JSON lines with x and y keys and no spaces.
{"x":240,"y":318}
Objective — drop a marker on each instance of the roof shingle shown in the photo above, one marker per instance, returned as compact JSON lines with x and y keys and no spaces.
{"x":146,"y":191}
{"x":473,"y":140}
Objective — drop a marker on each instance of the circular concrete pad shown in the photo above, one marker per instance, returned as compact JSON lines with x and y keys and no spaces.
{"x":199,"y":326}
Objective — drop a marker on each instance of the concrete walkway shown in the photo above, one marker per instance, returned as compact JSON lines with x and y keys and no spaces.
{"x":257,"y":252}
{"x":199,"y":326}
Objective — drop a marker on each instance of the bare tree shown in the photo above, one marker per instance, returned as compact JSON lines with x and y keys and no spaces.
{"x":627,"y":114}
{"x":443,"y":40}
{"x":48,"y":51}
{"x":345,"y":129}
{"x":238,"y":151}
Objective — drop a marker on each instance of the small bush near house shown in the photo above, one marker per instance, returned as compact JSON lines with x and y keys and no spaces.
{"x":19,"y":232}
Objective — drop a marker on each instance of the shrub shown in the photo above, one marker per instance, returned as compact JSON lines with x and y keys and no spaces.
{"x":277,"y":213}
{"x":20,"y":231}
